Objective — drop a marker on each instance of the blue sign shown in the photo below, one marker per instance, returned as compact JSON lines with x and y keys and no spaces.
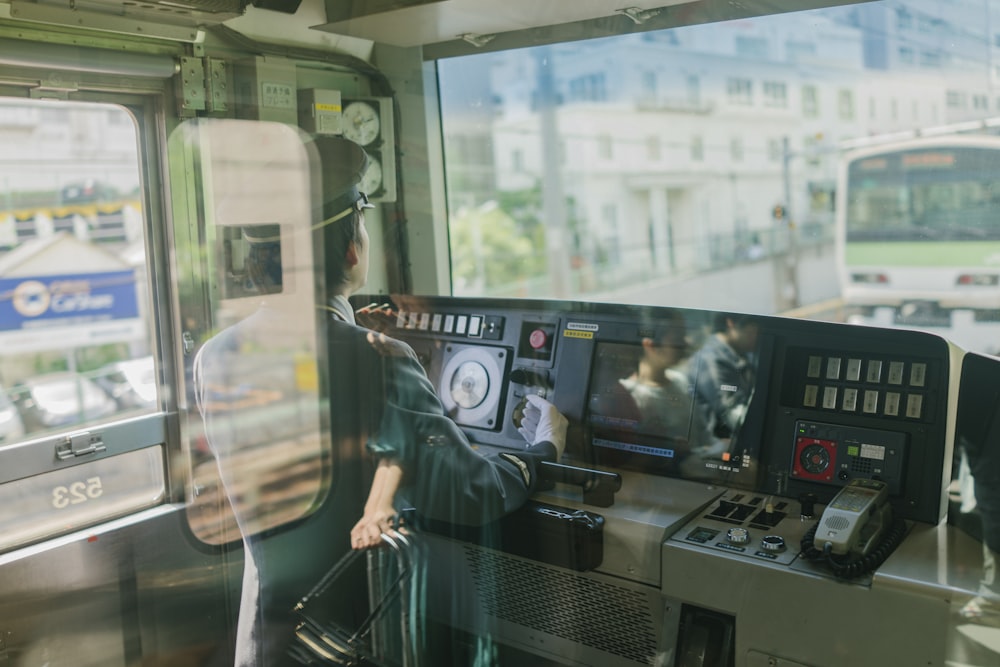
{"x":51,"y":301}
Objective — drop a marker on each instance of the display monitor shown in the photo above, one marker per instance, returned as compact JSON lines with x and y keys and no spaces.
{"x":661,"y":403}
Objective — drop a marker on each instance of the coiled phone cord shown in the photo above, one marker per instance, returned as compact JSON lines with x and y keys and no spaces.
{"x":846,"y":567}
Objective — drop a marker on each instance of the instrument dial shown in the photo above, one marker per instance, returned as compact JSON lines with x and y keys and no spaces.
{"x":469,"y":385}
{"x":371,"y":182}
{"x":361,"y":123}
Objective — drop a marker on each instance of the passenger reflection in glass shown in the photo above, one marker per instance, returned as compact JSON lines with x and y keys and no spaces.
{"x":723,"y":371}
{"x":977,"y":436}
{"x":645,"y":392}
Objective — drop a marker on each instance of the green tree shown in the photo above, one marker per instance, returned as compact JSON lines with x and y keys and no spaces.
{"x":490,"y":249}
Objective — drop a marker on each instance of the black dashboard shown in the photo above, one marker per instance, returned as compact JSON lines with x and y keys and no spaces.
{"x":823,"y":403}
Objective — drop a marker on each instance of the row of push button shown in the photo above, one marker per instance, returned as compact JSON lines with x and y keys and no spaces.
{"x":891,"y":403}
{"x":837,"y":368}
{"x":462,"y":325}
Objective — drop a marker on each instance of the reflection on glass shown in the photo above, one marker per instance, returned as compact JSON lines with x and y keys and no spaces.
{"x":258,"y":449}
{"x":976,"y":486}
{"x":75,"y":328}
{"x":643,"y":404}
{"x":699,"y":166}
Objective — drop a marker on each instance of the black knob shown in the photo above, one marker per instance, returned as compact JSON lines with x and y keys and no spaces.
{"x":808,"y":502}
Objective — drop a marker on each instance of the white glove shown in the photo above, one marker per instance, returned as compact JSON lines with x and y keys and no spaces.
{"x":543,"y":423}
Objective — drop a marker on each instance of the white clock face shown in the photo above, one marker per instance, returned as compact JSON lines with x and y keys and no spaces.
{"x":361,"y":123}
{"x":371,"y":182}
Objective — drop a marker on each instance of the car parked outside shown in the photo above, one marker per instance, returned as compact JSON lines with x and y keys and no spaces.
{"x":11,"y":426}
{"x":61,"y":399}
{"x":131,"y":383}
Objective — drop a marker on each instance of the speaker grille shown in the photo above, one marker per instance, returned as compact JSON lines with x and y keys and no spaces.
{"x":837,"y":522}
{"x":563,"y":604}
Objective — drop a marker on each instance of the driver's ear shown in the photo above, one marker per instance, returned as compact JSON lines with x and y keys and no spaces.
{"x":351,"y":257}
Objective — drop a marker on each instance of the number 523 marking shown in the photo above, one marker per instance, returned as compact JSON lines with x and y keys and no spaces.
{"x":77,"y":492}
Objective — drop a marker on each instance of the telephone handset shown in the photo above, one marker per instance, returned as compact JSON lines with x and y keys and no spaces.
{"x":856,"y":532}
{"x":856,"y":518}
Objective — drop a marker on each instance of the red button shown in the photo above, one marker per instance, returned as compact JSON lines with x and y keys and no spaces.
{"x":537,"y":339}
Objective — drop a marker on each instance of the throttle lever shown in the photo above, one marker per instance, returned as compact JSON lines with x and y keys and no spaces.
{"x":598,"y":486}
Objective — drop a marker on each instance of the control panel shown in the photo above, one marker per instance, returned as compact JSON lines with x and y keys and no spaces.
{"x":751,"y":525}
{"x":819,"y":405}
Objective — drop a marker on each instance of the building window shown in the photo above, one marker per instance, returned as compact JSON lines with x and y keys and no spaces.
{"x":810,"y":101}
{"x":930,"y":59}
{"x":589,"y":88}
{"x":811,"y":148}
{"x":774,"y":149}
{"x":654,"y":149}
{"x":736,"y":149}
{"x":604,"y":147}
{"x":649,"y":83}
{"x":754,"y":47}
{"x":906,"y":55}
{"x":894,"y":109}
{"x":775,"y":94}
{"x":693,"y":89}
{"x":845,"y":105}
{"x":697,"y":149}
{"x":904,"y":19}
{"x":955,"y":99}
{"x":980,"y":103}
{"x":739,"y":91}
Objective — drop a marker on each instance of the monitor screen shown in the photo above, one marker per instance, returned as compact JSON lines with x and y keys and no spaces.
{"x":673,"y":401}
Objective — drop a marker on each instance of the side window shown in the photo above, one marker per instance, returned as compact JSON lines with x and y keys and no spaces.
{"x":77,"y":336}
{"x":76,"y":342}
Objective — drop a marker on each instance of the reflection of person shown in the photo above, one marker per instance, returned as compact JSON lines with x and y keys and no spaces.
{"x":984,"y":465}
{"x":655,"y":398}
{"x":256,"y":415}
{"x":723,"y":372}
{"x":380,"y":400}
{"x":661,"y":392}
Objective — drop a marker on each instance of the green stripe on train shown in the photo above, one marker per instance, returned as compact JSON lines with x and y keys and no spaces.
{"x":945,"y":253}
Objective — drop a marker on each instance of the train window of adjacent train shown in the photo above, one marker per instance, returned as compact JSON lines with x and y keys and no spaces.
{"x":701,"y":166}
{"x":76,"y":336}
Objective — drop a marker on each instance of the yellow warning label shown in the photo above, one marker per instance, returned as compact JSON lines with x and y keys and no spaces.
{"x":326,"y":107}
{"x":569,"y":333}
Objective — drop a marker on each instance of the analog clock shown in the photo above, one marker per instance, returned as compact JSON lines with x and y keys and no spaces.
{"x":371,"y":182}
{"x":362,"y":124}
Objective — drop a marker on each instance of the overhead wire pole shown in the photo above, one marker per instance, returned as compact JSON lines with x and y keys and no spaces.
{"x":553,"y":198}
{"x":787,"y":271}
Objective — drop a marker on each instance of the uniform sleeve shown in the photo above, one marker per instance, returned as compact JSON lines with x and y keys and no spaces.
{"x":445,"y":478}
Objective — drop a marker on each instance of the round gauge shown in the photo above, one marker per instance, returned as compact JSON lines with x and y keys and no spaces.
{"x":371,"y":182}
{"x":814,"y":459}
{"x":361,"y":123}
{"x":469,"y":385}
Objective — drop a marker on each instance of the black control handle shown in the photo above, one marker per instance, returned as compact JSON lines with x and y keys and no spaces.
{"x":599,"y":487}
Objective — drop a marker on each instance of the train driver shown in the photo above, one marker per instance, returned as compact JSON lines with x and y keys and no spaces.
{"x":380,"y":392}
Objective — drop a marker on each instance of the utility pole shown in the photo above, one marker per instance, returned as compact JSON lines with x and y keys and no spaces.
{"x":786,"y":269}
{"x":553,"y":199}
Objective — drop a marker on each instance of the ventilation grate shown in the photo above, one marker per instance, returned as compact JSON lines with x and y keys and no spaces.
{"x":574,"y":607}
